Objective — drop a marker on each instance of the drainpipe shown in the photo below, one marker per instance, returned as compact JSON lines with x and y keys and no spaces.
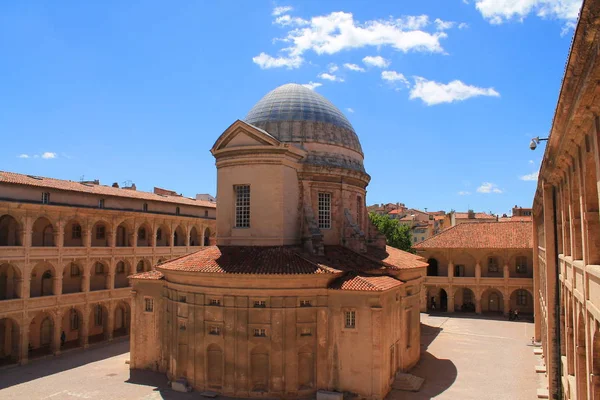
{"x":557,"y":348}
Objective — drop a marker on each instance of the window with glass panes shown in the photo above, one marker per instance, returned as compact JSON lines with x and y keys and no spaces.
{"x":521,"y":297}
{"x":76,"y":232}
{"x":350,"y":320}
{"x":492,"y":264}
{"x":148,"y":304}
{"x":324,"y":203}
{"x":521,"y":262}
{"x":242,"y":206}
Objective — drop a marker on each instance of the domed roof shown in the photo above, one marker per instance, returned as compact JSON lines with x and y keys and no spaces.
{"x":294,"y":113}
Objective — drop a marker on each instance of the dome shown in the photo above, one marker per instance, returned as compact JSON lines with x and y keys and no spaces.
{"x":296,"y":114}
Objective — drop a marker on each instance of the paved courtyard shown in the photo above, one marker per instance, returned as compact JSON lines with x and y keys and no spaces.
{"x":463,"y":358}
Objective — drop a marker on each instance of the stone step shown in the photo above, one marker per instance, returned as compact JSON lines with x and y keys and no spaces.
{"x":407,"y":382}
{"x":543,"y":394}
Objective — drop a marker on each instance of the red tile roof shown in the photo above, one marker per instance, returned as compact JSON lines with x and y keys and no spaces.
{"x":148,"y":275}
{"x":479,"y":215}
{"x":516,"y":218}
{"x":483,"y":235}
{"x":396,"y":258}
{"x":396,"y":211}
{"x":368,"y":283}
{"x":72,"y":186}
{"x":439,"y":217}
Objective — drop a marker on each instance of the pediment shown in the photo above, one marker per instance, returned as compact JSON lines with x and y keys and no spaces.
{"x":242,"y":134}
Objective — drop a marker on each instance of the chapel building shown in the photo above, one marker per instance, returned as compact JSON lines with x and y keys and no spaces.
{"x":300,"y":293}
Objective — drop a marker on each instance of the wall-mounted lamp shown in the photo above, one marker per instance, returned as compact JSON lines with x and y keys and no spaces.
{"x":535,"y":141}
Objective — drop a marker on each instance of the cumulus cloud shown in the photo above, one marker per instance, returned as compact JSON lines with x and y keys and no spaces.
{"x":350,"y":110}
{"x":500,"y":11}
{"x":441,"y":25}
{"x":464,"y":193}
{"x":463,"y":25}
{"x":312,"y":85}
{"x":394,"y":77}
{"x":48,"y":155}
{"x":530,"y":177}
{"x":354,"y":67}
{"x":331,"y":77}
{"x":332,"y":68}
{"x":488,"y":187}
{"x":531,"y":162}
{"x":338,"y":31}
{"x":281,"y":10}
{"x":376,"y":61}
{"x":432,"y":92}
{"x":23,"y":156}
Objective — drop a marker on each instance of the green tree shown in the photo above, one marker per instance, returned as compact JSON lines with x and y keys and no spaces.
{"x":396,"y":234}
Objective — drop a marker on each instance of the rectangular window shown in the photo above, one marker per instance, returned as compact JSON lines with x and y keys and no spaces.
{"x":76,"y":232}
{"x":521,"y":297}
{"x":350,"y":320}
{"x":242,"y":206}
{"x":100,"y":232}
{"x":214,"y":330}
{"x":149,"y":304}
{"x":305,"y":303}
{"x":206,"y":213}
{"x":159,"y":234}
{"x":521,"y":263}
{"x":182,"y":299}
{"x":324,"y":201}
{"x":260,"y":304}
{"x":101,"y":203}
{"x":492,"y":264}
{"x":306,"y":332}
{"x":45,"y":198}
{"x":145,"y":207}
{"x":74,"y":270}
{"x":177,"y":211}
{"x":215,"y":302}
{"x":459,"y":270}
{"x":260,"y":332}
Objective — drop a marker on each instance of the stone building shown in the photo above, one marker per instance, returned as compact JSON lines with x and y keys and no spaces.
{"x":300,"y":293}
{"x":479,"y":267}
{"x":566,"y":223}
{"x":66,"y":250}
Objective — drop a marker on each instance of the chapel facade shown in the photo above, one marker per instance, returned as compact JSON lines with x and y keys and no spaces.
{"x":300,"y":292}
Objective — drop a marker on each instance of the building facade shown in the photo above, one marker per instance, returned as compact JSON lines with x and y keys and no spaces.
{"x":66,"y":251}
{"x":300,"y":293}
{"x":566,"y":222}
{"x":479,"y":267}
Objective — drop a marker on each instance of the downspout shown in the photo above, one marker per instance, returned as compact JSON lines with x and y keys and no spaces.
{"x":557,"y":358}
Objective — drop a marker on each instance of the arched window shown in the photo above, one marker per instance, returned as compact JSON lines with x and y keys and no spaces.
{"x":120,"y":267}
{"x":142,"y":234}
{"x":521,"y":297}
{"x":99,"y":269}
{"x":76,"y":232}
{"x":140,"y":266}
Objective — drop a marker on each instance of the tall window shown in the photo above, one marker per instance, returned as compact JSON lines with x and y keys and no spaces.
{"x":260,"y":332}
{"x":159,"y":234}
{"x":99,"y":268}
{"x":142,"y":234}
{"x":459,"y":270}
{"x":76,"y":232}
{"x":350,"y":319}
{"x":521,"y":262}
{"x":359,"y":210}
{"x":206,"y":213}
{"x":148,"y":304}
{"x":492,"y":264}
{"x":324,"y":210}
{"x":45,"y":198}
{"x":74,"y":318}
{"x":98,"y":317}
{"x":101,"y":203}
{"x":74,"y":270}
{"x":100,"y":232}
{"x":120,"y":267}
{"x":177,"y":210}
{"x":145,"y":207}
{"x":521,"y":297}
{"x":242,"y":206}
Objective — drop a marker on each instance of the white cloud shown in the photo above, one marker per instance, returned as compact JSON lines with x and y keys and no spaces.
{"x":567,"y":28}
{"x":354,"y":67}
{"x":350,"y":110}
{"x":330,"y":77}
{"x":312,"y":85}
{"x":441,"y":25}
{"x":394,"y":77}
{"x":488,"y":187}
{"x":281,"y":10}
{"x":265,"y":61}
{"x":338,"y":31}
{"x":531,"y":162}
{"x":287,"y":20}
{"x":432,"y":92}
{"x":500,"y":11}
{"x":464,"y":193}
{"x":332,"y":68}
{"x":530,"y":177}
{"x":48,"y":155}
{"x":23,"y":156}
{"x":376,"y":61}
{"x":463,"y":25}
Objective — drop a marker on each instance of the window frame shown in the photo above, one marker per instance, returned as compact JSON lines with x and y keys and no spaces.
{"x":98,"y":268}
{"x":74,"y":270}
{"x":148,"y":304}
{"x":214,"y":302}
{"x":76,"y":231}
{"x":242,"y":206}
{"x":350,"y":319}
{"x":522,"y":297}
{"x":101,"y":203}
{"x":521,"y":268}
{"x":100,"y":232}
{"x":145,"y":207}
{"x":45,"y":197}
{"x":74,"y":320}
{"x":324,"y":201}
{"x":98,"y":316}
{"x":493,"y":266}
{"x":260,"y":304}
{"x":260,"y":332}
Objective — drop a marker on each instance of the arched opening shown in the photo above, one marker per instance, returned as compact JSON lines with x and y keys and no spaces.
{"x":142,"y":266}
{"x":144,"y":236}
{"x":10,"y":282}
{"x":207,"y":237}
{"x":122,"y":271}
{"x":42,"y":234}
{"x":580,"y":371}
{"x":306,"y":368}
{"x":70,"y":336}
{"x":10,"y":231}
{"x":522,"y":301}
{"x":443,"y":300}
{"x":259,"y":369}
{"x":492,"y":301}
{"x":194,"y":241}
{"x":42,"y":278}
{"x":123,"y":236}
{"x":99,"y":276}
{"x":122,"y":320}
{"x":10,"y":342}
{"x":464,"y":300}
{"x":214,"y":366}
{"x":432,"y":267}
{"x":596,"y":365}
{"x":179,"y":236}
{"x":72,"y":278}
{"x":41,"y":335}
{"x":98,"y":324}
{"x":100,"y":234}
{"x":73,"y":236}
{"x":162,"y":235}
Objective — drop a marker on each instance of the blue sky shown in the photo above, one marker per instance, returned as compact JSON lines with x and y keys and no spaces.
{"x":444,"y":95}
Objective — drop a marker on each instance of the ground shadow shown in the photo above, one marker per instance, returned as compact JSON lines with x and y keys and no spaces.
{"x":35,"y":369}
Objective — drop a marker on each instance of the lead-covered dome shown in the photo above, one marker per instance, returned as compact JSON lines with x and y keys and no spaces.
{"x":296,"y":114}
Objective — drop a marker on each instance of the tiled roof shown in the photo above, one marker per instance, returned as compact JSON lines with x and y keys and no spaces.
{"x":72,"y":186}
{"x":516,"y":218}
{"x":482,"y":235}
{"x":396,"y":211}
{"x":439,"y":217}
{"x":368,"y":283}
{"x":395,"y":257}
{"x":148,"y":275}
{"x":479,"y":215}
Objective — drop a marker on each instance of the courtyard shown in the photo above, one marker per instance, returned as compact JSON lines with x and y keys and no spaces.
{"x":463,"y":357}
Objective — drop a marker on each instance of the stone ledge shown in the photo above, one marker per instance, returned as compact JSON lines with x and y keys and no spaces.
{"x":542,"y":394}
{"x":540,"y":369}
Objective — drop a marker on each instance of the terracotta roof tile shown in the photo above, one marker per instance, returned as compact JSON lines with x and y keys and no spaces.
{"x":72,"y":186}
{"x":396,"y":258}
{"x":483,"y":235}
{"x":149,"y":275}
{"x":368,"y":283}
{"x":479,"y":215}
{"x":516,"y":218}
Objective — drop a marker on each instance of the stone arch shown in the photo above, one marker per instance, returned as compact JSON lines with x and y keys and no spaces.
{"x":437,"y":299}
{"x":124,"y":234}
{"x":72,"y":278}
{"x":122,"y":319}
{"x":41,"y":334}
{"x":98,"y":323}
{"x":581,"y":362}
{"x":464,"y":299}
{"x":432,"y":267}
{"x":492,"y":300}
{"x":194,"y":239}
{"x":101,"y":231}
{"x":72,"y":324}
{"x":73,"y":233}
{"x":442,"y":262}
{"x":42,"y":280}
{"x":143,"y":265}
{"x":10,"y":282}
{"x":214,"y":366}
{"x":259,"y":369}
{"x":163,"y":233}
{"x":522,"y":300}
{"x":179,"y":236}
{"x":207,"y":234}
{"x":11,"y":231}
{"x":306,"y":368}
{"x":122,"y":271}
{"x":10,"y":341}
{"x":99,"y":275}
{"x":144,"y":235}
{"x":42,"y":233}
{"x":464,"y":265}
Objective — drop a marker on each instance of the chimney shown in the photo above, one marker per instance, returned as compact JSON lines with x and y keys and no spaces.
{"x":471,"y":214}
{"x":115,"y":185}
{"x":132,"y":187}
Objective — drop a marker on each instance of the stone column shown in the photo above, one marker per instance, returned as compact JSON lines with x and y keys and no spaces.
{"x":57,"y":285}
{"x":537,"y":316}
{"x":110,"y":280}
{"x":85,"y":325}
{"x":506,"y":298}
{"x":478,"y":270}
{"x":26,"y":291}
{"x":450,"y":269}
{"x":87,"y":237}
{"x":186,"y":240}
{"x":56,"y":333}
{"x":478,"y":303}
{"x":132,"y":332}
{"x":450,"y":293}
{"x":110,"y":326}
{"x":25,"y":342}
{"x":132,"y":237}
{"x":506,"y":272}
{"x":112,"y":238}
{"x":85,"y":280}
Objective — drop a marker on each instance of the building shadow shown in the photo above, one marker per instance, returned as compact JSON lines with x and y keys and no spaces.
{"x":15,"y":375}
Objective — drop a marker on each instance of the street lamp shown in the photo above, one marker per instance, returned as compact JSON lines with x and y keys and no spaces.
{"x":535,"y":141}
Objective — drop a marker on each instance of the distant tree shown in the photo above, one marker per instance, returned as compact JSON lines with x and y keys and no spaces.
{"x":396,"y":234}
